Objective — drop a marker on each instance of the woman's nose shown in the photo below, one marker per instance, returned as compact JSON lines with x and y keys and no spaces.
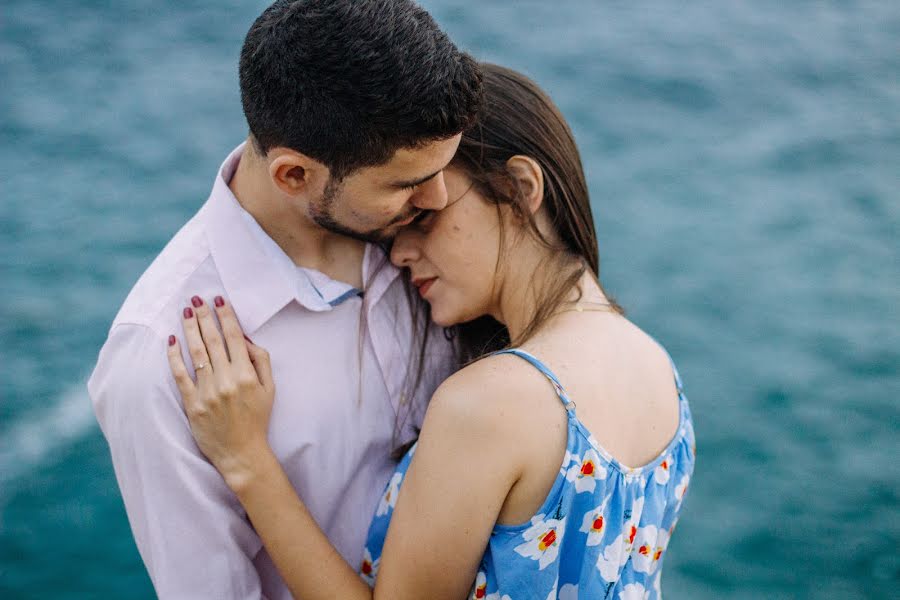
{"x":405,"y":250}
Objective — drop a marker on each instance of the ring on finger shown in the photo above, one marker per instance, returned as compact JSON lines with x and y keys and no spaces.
{"x":200,"y":366}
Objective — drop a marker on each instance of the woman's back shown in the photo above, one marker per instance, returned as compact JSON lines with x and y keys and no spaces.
{"x":621,"y":382}
{"x":579,"y":519}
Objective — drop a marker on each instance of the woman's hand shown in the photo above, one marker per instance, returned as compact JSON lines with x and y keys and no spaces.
{"x":230,"y":402}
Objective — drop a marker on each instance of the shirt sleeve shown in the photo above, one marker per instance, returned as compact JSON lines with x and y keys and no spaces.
{"x":190,"y":530}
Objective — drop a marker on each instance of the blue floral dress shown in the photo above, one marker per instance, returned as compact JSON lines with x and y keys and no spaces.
{"x":601,"y":533}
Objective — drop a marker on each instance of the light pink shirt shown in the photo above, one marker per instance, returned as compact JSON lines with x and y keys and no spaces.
{"x":335,"y":408}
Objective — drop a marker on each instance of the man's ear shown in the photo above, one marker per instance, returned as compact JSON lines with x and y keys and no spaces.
{"x":296,"y":174}
{"x":530,"y":180}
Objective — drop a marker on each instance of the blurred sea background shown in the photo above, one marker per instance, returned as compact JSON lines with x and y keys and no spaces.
{"x":744,"y":164}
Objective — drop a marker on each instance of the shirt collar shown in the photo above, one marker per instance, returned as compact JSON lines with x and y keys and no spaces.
{"x":258,"y":277}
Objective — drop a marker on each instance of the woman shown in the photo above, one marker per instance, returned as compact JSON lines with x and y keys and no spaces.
{"x":516,"y":484}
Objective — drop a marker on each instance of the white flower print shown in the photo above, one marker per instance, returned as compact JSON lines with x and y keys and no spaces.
{"x":389,"y":499}
{"x":479,"y":590}
{"x":649,"y":545}
{"x":616,"y":554}
{"x":681,"y":488}
{"x":594,"y":524}
{"x":567,"y":460}
{"x":634,"y":591}
{"x":637,"y":509}
{"x":568,"y":592}
{"x":369,"y":568}
{"x":542,"y":540}
{"x":586,"y":471}
{"x":661,"y":472}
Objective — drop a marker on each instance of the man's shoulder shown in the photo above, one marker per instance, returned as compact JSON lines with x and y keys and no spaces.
{"x":183,"y":265}
{"x":132,"y":364}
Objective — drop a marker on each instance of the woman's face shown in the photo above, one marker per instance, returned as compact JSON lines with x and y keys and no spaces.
{"x":452,"y":254}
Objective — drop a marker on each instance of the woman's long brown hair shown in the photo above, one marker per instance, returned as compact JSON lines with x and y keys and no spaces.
{"x":518,"y":118}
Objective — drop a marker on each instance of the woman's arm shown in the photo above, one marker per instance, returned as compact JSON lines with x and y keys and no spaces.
{"x":453,"y":492}
{"x":462,"y":471}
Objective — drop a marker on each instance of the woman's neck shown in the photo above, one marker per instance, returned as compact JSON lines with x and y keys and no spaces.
{"x":524,"y":284}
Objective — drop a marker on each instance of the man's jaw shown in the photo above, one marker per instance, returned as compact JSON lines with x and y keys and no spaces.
{"x":374,"y":236}
{"x":380,"y":235}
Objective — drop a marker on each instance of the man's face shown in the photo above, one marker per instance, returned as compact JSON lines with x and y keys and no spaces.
{"x":373,"y":203}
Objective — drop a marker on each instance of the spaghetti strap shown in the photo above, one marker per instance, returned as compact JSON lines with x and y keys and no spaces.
{"x":678,"y":384}
{"x":677,"y":376}
{"x":560,"y":391}
{"x":674,"y":370}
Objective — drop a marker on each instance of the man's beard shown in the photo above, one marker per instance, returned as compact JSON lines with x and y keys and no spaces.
{"x":323,"y":216}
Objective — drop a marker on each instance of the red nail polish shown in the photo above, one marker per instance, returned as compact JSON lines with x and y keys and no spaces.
{"x":171,"y":340}
{"x":188,"y":313}
{"x":197,"y":301}
{"x":220,"y":301}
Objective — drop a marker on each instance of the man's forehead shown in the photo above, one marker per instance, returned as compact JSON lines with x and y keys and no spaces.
{"x":421,"y":161}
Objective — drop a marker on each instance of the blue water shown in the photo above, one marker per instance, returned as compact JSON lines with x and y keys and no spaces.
{"x":744,"y":164}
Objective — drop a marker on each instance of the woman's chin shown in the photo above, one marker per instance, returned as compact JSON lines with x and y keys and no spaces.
{"x":442,"y":317}
{"x":443,"y":322}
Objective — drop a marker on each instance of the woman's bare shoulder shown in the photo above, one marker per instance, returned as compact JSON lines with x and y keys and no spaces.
{"x":488,"y":393}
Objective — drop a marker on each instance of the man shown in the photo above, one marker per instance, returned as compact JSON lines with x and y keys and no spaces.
{"x":354,"y":108}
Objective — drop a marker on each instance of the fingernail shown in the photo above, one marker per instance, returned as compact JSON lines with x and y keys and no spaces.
{"x":188,"y":313}
{"x":219,"y":300}
{"x":171,"y":340}
{"x":197,"y":301}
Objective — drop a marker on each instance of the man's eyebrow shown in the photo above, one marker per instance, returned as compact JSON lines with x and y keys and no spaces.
{"x":415,"y":182}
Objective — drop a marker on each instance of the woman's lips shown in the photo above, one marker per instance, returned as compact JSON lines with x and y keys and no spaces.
{"x":424,"y":285}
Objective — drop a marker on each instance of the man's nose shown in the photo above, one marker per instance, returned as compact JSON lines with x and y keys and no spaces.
{"x":404,"y":251}
{"x":431,"y":195}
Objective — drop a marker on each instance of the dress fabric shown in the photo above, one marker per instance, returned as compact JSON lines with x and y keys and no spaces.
{"x":602,"y":532}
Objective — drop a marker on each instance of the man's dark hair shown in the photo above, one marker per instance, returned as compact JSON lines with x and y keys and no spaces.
{"x":349,"y":82}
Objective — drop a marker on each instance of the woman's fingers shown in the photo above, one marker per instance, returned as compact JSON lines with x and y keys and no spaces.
{"x":260,"y":359}
{"x":179,"y":370}
{"x":212,"y":339}
{"x":209,"y":348}
{"x":244,"y":353}
{"x":196,"y":347}
{"x":234,"y":335}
